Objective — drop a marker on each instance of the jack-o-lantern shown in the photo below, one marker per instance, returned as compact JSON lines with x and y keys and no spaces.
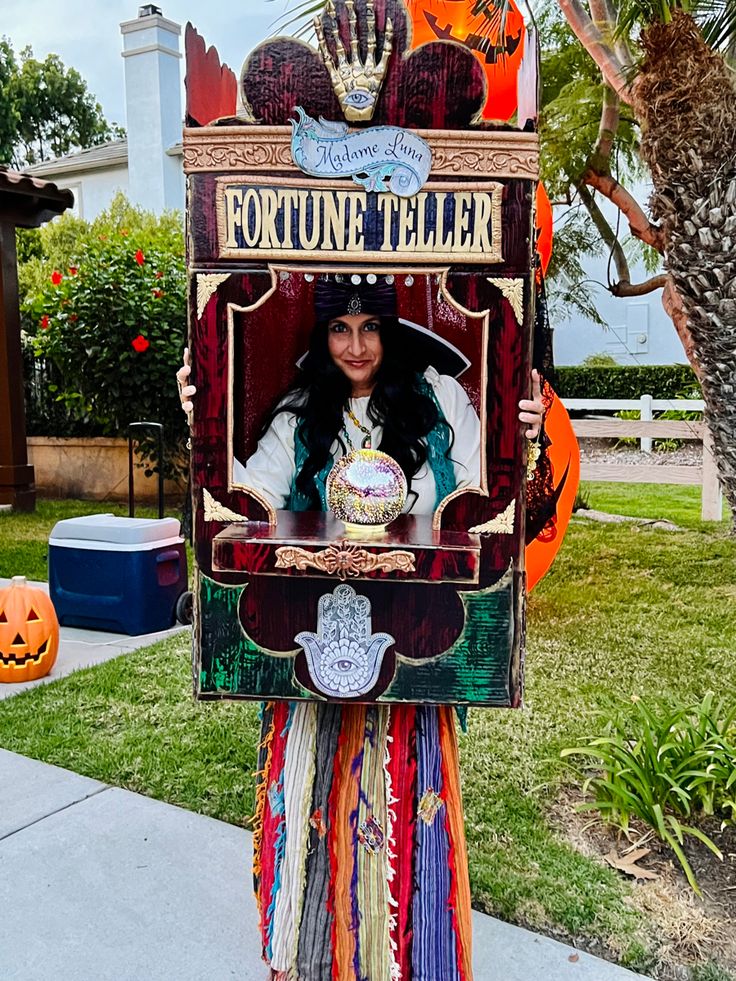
{"x":29,"y":632}
{"x":466,"y":22}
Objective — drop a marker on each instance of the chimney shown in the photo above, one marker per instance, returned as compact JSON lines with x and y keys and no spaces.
{"x":153,"y":109}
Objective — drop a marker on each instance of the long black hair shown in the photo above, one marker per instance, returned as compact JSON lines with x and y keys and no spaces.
{"x":399,"y":403}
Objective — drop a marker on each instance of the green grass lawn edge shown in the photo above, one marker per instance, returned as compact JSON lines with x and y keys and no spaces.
{"x":624,"y":613}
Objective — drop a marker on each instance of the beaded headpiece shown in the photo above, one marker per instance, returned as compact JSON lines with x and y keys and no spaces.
{"x":338,"y":294}
{"x":335,"y":296}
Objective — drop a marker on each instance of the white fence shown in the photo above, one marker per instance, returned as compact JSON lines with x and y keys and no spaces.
{"x":646,"y":429}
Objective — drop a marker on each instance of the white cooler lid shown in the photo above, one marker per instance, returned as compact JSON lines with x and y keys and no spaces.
{"x":113,"y":529}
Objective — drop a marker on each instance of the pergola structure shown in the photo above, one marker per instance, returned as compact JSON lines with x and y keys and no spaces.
{"x":25,"y":202}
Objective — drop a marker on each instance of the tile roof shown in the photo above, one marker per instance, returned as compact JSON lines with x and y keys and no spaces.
{"x":28,"y":201}
{"x":96,"y":157}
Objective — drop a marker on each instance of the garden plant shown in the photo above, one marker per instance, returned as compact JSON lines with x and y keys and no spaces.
{"x":105,"y":307}
{"x":668,"y":766}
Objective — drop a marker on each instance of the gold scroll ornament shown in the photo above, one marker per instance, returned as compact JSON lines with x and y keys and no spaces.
{"x":343,"y":559}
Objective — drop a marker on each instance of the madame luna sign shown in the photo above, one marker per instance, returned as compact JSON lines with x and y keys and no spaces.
{"x":370,"y":156}
{"x":391,"y":214}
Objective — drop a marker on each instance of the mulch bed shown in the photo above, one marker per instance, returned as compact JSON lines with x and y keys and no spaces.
{"x":612,"y":451}
{"x":690,"y":929}
{"x":716,"y":878}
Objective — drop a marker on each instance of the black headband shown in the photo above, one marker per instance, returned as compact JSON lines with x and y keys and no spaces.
{"x":336,"y":296}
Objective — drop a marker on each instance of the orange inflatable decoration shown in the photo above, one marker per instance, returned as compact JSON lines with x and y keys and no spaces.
{"x":543,"y":222}
{"x":462,"y":21}
{"x":564,"y":454}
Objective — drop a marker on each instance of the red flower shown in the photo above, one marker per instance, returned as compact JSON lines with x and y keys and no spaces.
{"x":140,"y":258}
{"x":56,"y":277}
{"x":159,"y":275}
{"x":140,"y":344}
{"x":73,"y":317}
{"x":45,"y":321}
{"x":158,"y":294}
{"x":73,"y":270}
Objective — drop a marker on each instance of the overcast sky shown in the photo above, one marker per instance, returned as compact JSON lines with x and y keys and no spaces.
{"x":86,"y":34}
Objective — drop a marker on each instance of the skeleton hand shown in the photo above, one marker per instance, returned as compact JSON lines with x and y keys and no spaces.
{"x":356,"y":85}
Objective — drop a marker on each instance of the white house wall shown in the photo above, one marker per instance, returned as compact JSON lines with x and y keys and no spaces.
{"x":637,"y":331}
{"x":94,"y":190}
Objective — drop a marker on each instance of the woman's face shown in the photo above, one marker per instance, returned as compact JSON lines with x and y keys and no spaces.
{"x":354,"y":343}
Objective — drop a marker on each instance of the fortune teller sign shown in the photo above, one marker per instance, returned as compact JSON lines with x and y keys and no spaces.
{"x":360,"y":166}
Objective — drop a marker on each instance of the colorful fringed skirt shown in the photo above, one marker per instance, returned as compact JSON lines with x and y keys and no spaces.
{"x":360,"y":863}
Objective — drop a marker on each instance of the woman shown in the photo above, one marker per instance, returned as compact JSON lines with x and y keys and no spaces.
{"x":360,"y":864}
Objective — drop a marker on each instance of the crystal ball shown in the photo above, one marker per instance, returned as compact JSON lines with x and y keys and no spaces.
{"x":366,"y":487}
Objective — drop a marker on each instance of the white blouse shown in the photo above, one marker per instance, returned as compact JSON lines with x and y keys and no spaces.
{"x":270,"y":470}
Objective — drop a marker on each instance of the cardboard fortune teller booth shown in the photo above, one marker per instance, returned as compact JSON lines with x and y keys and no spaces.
{"x":367,"y":163}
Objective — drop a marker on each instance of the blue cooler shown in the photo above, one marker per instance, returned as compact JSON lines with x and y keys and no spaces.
{"x":118,"y":574}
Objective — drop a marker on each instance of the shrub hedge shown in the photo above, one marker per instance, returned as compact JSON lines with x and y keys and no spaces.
{"x":104,"y":312}
{"x":667,"y":381}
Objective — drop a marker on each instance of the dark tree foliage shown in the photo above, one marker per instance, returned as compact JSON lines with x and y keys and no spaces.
{"x":46,"y":110}
{"x":8,"y":112}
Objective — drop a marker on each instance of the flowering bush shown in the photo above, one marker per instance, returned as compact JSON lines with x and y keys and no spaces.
{"x":111,"y":319}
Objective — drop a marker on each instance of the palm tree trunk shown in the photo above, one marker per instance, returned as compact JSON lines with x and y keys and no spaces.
{"x":685,"y":99}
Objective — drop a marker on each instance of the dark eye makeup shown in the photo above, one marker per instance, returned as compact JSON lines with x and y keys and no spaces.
{"x":338,"y":327}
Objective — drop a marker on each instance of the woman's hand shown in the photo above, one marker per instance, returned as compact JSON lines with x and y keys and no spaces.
{"x":532,"y":410}
{"x":186,"y":391}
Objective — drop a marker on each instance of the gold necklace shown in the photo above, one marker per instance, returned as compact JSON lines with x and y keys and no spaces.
{"x":366,"y":444}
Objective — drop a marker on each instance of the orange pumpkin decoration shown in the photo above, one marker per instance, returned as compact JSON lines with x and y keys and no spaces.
{"x":29,"y":632}
{"x":462,"y":21}
{"x":543,"y":223}
{"x":564,"y":454}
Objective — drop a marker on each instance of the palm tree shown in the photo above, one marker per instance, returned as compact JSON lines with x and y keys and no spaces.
{"x":683,"y":95}
{"x":662,"y":58}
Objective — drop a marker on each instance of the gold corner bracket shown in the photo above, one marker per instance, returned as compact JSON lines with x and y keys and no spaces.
{"x":502,"y":524}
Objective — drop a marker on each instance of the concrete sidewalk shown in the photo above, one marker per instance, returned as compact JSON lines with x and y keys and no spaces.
{"x":100,"y":884}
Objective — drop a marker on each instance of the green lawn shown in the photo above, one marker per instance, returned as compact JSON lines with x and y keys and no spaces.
{"x":24,"y":537}
{"x":671,"y":501}
{"x":624,"y":612}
